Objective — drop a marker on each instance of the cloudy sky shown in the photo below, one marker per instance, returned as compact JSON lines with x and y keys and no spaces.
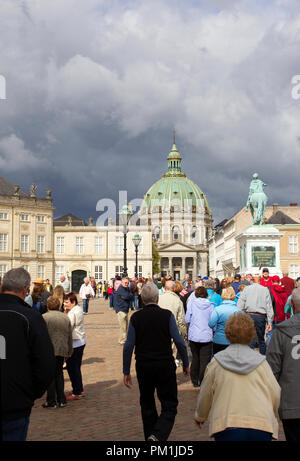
{"x":94,"y":89}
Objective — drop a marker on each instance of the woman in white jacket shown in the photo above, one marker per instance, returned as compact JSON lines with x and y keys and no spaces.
{"x":75,"y":314}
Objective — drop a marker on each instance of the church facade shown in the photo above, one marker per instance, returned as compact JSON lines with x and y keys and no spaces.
{"x":179,"y":217}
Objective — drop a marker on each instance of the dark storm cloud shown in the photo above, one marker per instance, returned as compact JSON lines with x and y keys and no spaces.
{"x":95,"y":88}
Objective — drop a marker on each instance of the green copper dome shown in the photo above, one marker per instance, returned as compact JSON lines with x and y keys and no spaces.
{"x":175,"y":189}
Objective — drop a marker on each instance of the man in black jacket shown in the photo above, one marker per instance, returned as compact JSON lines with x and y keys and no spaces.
{"x":123,"y":303}
{"x":150,"y":332}
{"x":27,"y":357}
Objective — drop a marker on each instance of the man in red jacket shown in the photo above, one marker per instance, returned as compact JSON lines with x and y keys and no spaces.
{"x":287,"y":282}
{"x":279,"y":298}
{"x":266,"y":280}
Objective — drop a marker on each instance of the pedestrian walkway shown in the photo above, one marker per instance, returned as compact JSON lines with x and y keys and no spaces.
{"x":109,"y":411}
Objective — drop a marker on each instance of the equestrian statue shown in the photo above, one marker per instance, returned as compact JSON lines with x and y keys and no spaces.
{"x":257,"y":200}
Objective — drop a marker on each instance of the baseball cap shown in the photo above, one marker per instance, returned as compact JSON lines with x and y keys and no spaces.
{"x":275,"y":278}
{"x":265,"y":269}
{"x":204,"y":278}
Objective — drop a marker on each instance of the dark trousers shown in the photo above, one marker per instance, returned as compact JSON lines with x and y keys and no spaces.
{"x":291,"y":429}
{"x":74,"y":369}
{"x":219,"y":347}
{"x":201,"y":356}
{"x":260,"y":326}
{"x":15,"y":430}
{"x":110,"y":295}
{"x":242,"y":435}
{"x":55,"y":392}
{"x":159,"y":376}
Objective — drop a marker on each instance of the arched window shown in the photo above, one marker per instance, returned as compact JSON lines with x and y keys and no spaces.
{"x":176,"y":233}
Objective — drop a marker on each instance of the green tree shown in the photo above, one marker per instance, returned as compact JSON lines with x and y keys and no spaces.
{"x":155,"y":259}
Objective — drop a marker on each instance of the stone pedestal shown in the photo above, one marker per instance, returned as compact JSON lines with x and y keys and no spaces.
{"x":259,"y":247}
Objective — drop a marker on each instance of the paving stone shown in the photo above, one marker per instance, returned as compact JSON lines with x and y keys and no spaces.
{"x":109,"y":411}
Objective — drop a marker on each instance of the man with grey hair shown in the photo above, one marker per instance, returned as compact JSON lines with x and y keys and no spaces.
{"x":65,"y":283}
{"x":283,"y":355}
{"x":287,"y":282}
{"x":27,"y":356}
{"x":170,"y":300}
{"x":86,"y":292}
{"x":150,"y":332}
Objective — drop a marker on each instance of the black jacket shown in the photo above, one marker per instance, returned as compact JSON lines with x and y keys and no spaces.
{"x":283,"y":355}
{"x":28,"y":366}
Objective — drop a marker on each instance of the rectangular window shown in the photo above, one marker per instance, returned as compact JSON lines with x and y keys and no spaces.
{"x":25,"y":243}
{"x":3,"y":242}
{"x":2,"y":270}
{"x":41,"y":272}
{"x":41,"y":219}
{"x":140,"y":271}
{"x":4,"y":216}
{"x":98,"y":273}
{"x":25,"y":217}
{"x":41,"y":244}
{"x":98,"y":245}
{"x":293,"y":243}
{"x":119,"y":270}
{"x":294,"y":271}
{"x":79,"y":246}
{"x":119,"y":247}
{"x":60,"y":245}
{"x":59,"y":270}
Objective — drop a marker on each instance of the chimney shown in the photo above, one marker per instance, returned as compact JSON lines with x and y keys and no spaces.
{"x":275,"y":208}
{"x":294,"y":204}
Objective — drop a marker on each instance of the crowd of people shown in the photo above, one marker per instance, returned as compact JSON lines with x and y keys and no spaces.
{"x":220,"y":324}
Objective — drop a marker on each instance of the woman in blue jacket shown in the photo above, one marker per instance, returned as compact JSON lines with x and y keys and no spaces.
{"x":219,"y":318}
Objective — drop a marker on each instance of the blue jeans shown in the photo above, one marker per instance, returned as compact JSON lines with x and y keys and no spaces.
{"x":85,"y":305}
{"x":135,"y":301}
{"x":15,"y":430}
{"x":236,"y":434}
{"x":260,"y":326}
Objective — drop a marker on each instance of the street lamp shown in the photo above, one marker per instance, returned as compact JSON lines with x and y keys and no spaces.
{"x":124,"y":216}
{"x":136,"y":241}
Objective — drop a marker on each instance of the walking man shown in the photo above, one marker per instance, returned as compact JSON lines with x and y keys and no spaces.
{"x":65,"y":284}
{"x":27,"y":360}
{"x":123,"y":304}
{"x":86,"y":292}
{"x":284,"y":358}
{"x":256,"y":301}
{"x":150,"y":332}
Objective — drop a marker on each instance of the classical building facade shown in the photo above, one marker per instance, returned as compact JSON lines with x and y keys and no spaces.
{"x":48,"y":247}
{"x":179,"y":217}
{"x":224,"y":247}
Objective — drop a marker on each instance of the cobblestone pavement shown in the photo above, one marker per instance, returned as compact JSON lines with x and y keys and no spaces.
{"x":109,"y":411}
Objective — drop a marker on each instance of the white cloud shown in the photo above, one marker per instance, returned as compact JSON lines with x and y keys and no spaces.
{"x":14,"y":156}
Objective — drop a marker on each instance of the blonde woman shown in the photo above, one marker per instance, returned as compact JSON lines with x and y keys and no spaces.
{"x":239,"y":393}
{"x":219,"y":317}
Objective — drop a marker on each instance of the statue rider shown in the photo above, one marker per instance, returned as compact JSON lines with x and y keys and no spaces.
{"x":256,"y":185}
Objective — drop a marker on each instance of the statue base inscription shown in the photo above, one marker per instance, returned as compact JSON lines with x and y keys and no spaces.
{"x":259,"y":247}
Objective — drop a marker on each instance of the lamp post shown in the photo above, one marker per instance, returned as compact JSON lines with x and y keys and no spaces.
{"x":124,"y":216}
{"x":136,"y":241}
